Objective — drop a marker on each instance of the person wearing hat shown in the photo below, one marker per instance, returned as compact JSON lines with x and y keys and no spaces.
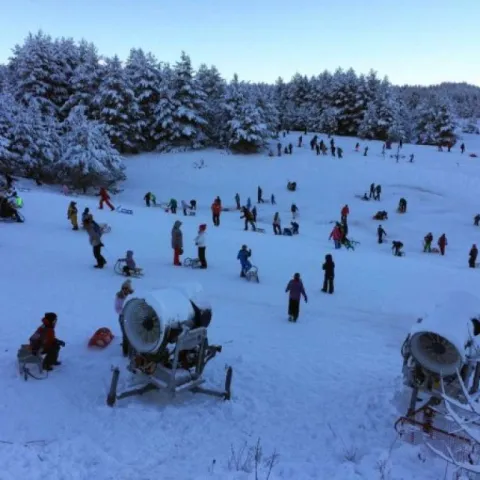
{"x":72,"y":215}
{"x":120,"y":297}
{"x":45,"y":342}
{"x":177,"y":243}
{"x":200,"y":243}
{"x":295,"y":290}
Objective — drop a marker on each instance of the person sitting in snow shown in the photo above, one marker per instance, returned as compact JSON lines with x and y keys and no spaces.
{"x":397,"y":248}
{"x":45,"y":342}
{"x":365,"y":197}
{"x":381,"y":215}
{"x":130,"y":265}
{"x":402,"y":205}
{"x":243,"y":255}
{"x":295,"y":228}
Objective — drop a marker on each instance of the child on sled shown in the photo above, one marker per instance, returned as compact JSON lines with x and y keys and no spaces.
{"x":130,"y":265}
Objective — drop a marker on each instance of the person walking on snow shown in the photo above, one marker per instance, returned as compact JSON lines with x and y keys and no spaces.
{"x":260,"y":195}
{"x":372,"y":191}
{"x":72,"y":215}
{"x":462,"y":148}
{"x":427,"y":243}
{"x":237,"y":201}
{"x":173,"y":205}
{"x":294,"y":210}
{"x":277,"y":224}
{"x":381,"y":233}
{"x":201,"y":244}
{"x":442,"y":243}
{"x":329,"y":274}
{"x":105,"y":198}
{"x":378,"y":192}
{"x":472,"y":256}
{"x":344,"y":214}
{"x":248,"y":217}
{"x":177,"y":243}
{"x":336,"y":234}
{"x":147,"y":198}
{"x":295,"y":290}
{"x":95,"y":237}
{"x":243,"y":255}
{"x":120,"y":297}
{"x":216,"y":211}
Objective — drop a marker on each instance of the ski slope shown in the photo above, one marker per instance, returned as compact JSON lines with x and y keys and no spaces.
{"x":323,"y":393}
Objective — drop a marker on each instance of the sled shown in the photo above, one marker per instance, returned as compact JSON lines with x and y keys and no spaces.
{"x":433,"y":250}
{"x":26,"y":359}
{"x":259,"y":230}
{"x":191,"y":262}
{"x":105,"y":228}
{"x":121,"y":262}
{"x":121,"y":209}
{"x":252,"y":274}
{"x":361,"y":197}
{"x":13,"y":219}
{"x":350,"y":245}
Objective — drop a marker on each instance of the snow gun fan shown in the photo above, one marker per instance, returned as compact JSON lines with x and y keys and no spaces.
{"x":166,"y":342}
{"x":441,"y":351}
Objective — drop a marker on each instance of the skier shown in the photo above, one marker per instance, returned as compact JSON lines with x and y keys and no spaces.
{"x":95,"y":237}
{"x":294,"y":210}
{"x":372,"y":191}
{"x":260,"y":195}
{"x":427,"y":243}
{"x":378,"y":191}
{"x":216,"y":211}
{"x":200,"y":243}
{"x":344,"y":214}
{"x":476,"y":220}
{"x":105,"y":198}
{"x":277,"y":226}
{"x":397,"y":248}
{"x":329,"y":275}
{"x":381,"y":233}
{"x":243,"y":255}
{"x":473,"y":254}
{"x":248,"y":217}
{"x":72,"y":215}
{"x":147,"y":198}
{"x":442,"y":243}
{"x":237,"y":201}
{"x":177,"y":243}
{"x":45,"y":342}
{"x":296,"y":290}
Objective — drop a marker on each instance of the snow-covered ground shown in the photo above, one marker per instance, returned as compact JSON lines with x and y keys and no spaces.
{"x":323,"y":393}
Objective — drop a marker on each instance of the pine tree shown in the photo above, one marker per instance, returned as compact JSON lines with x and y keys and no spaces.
{"x":8,"y":119}
{"x":328,"y":122}
{"x":117,"y":108}
{"x":88,"y":159}
{"x":369,"y":124}
{"x":436,"y":122}
{"x":144,"y":74}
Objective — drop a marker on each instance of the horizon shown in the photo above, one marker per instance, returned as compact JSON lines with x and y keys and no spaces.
{"x":262,"y":52}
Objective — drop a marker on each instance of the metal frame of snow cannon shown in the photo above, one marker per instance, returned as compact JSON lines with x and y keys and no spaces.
{"x":180,"y":352}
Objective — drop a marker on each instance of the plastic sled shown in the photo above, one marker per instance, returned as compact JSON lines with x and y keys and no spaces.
{"x":12,"y":219}
{"x":191,"y":262}
{"x":121,"y":209}
{"x":105,"y":228}
{"x":259,"y":230}
{"x":101,"y":338}
{"x":121,"y":263}
{"x":252,"y":274}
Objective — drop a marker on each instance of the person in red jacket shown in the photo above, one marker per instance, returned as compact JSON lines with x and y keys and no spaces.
{"x":216,"y":210}
{"x":45,"y":342}
{"x":344,"y":213}
{"x":105,"y":198}
{"x":442,"y":243}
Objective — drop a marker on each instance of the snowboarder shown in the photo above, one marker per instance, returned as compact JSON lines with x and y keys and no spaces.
{"x":329,"y":275}
{"x":381,"y":233}
{"x":295,"y":290}
{"x":201,"y":244}
{"x":45,"y":342}
{"x":397,"y":248}
{"x":177,"y":243}
{"x":72,"y":215}
{"x":476,"y":220}
{"x":237,"y":201}
{"x":243,"y":255}
{"x":442,"y":243}
{"x":294,"y":210}
{"x":216,"y":211}
{"x":260,"y":195}
{"x":147,"y":198}
{"x":248,"y":217}
{"x":472,"y":256}
{"x":378,"y":191}
{"x":105,"y":198}
{"x":427,"y":243}
{"x":344,"y":214}
{"x":95,"y":237}
{"x":277,"y":228}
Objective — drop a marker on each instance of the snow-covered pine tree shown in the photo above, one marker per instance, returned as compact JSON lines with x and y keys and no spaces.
{"x":471,"y":126}
{"x":117,"y":108}
{"x":188,"y":128}
{"x":145,"y":76}
{"x":245,"y":131}
{"x":35,"y":143}
{"x":328,"y":122}
{"x":402,"y":127}
{"x":263,"y":96}
{"x":214,"y":86}
{"x":321,"y":100}
{"x":436,"y":122}
{"x":369,"y":125}
{"x":85,"y":80}
{"x":88,"y":158}
{"x":281,"y":102}
{"x":8,"y":119}
{"x":298,"y":106}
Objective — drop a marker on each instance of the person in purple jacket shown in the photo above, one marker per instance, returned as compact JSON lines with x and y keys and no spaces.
{"x":296,"y":290}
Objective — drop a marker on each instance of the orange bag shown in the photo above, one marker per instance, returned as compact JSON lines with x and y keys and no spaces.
{"x":101,"y":338}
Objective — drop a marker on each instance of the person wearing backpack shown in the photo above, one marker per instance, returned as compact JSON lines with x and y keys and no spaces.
{"x":95,"y":236}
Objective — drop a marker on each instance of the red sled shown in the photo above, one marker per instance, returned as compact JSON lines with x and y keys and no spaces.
{"x":101,"y":338}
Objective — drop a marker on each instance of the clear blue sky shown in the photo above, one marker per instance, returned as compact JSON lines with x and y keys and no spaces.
{"x":411,"y":41}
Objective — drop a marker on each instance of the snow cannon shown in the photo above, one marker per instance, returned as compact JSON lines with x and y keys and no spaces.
{"x":165,"y":340}
{"x":442,"y":348}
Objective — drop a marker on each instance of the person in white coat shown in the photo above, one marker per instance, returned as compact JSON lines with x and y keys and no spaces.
{"x":201,"y":245}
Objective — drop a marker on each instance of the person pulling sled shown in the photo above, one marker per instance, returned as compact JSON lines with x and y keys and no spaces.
{"x":247,"y":271}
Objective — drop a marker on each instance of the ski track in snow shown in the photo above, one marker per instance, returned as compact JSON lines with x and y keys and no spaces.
{"x":324,"y":393}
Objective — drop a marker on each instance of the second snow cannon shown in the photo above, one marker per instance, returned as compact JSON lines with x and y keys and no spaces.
{"x":165,"y":339}
{"x":440,"y":345}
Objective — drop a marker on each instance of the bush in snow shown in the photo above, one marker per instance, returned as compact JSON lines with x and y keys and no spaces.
{"x":88,"y":159}
{"x":471,"y":126}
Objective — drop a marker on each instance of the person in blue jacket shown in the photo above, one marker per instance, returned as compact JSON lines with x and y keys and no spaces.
{"x":243,"y":255}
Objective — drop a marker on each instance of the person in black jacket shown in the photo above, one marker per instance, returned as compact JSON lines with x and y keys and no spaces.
{"x":381,"y":233}
{"x":329,"y":275}
{"x":472,"y":256}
